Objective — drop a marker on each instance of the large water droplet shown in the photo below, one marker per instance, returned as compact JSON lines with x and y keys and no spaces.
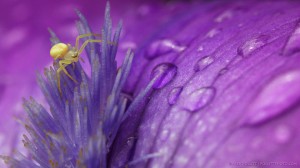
{"x":203,"y":63}
{"x":283,"y":134}
{"x":277,"y":96}
{"x":247,"y":48}
{"x":162,"y":47}
{"x":292,"y":46}
{"x":163,"y":74}
{"x":198,"y":99}
{"x":225,"y":15}
{"x":174,"y":94}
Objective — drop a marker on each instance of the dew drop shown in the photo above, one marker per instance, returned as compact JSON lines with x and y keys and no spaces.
{"x":165,"y":135}
{"x":203,"y":63}
{"x":174,"y":94}
{"x":223,"y":71}
{"x":163,"y":74}
{"x":247,"y":48}
{"x":200,"y":48}
{"x":213,"y":32}
{"x":283,"y":134}
{"x":225,"y":15}
{"x":292,"y":45}
{"x":277,"y":96}
{"x":162,"y":47}
{"x":198,"y":99}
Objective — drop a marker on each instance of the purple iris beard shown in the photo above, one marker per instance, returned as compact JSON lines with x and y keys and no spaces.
{"x":217,"y":85}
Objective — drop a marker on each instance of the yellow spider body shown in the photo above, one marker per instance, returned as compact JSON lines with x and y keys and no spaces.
{"x":68,"y":55}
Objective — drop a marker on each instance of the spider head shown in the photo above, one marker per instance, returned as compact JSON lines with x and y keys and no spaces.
{"x":59,"y":50}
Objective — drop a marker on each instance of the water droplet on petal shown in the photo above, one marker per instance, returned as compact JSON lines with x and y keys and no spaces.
{"x":283,"y":134}
{"x":162,"y":47}
{"x":292,"y":46}
{"x":163,"y":73}
{"x":174,"y":94}
{"x":247,"y":48}
{"x":225,"y":15}
{"x":198,"y":99}
{"x":203,"y":63}
{"x":165,"y":134}
{"x":223,"y":71}
{"x":277,"y":96}
{"x":200,"y":48}
{"x":213,"y":32}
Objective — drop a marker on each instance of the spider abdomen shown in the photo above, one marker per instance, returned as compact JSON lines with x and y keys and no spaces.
{"x":59,"y":50}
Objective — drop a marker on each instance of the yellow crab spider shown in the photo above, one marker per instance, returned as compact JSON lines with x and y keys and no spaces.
{"x":68,"y":54}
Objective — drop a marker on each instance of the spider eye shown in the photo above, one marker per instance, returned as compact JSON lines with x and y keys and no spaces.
{"x":59,"y":50}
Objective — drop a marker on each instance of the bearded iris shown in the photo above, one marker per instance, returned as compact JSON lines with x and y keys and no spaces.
{"x":227,"y":89}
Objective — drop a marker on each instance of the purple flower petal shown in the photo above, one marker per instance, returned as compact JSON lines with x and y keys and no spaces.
{"x":251,"y":116}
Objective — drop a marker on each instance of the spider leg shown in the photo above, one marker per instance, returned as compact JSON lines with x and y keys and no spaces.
{"x":86,"y":43}
{"x":84,"y":35}
{"x":62,"y":65}
{"x":58,"y":80}
{"x":90,"y":41}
